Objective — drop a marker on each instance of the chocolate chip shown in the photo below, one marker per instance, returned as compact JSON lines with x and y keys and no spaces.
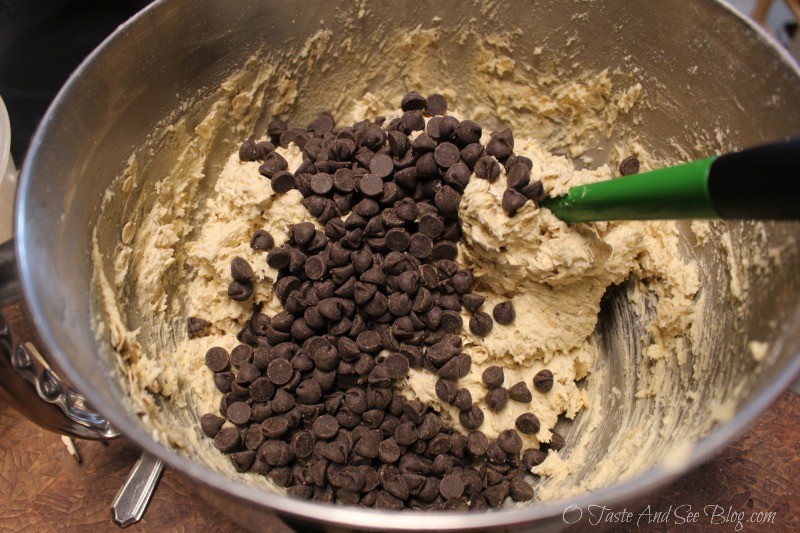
{"x":369,"y":342}
{"x":398,"y":143}
{"x":196,"y":327}
{"x":223,"y":381}
{"x":243,"y":460}
{"x":520,"y":490}
{"x":308,"y":392}
{"x":397,"y":487}
{"x":262,"y":240}
{"x":446,"y":390}
{"x":543,"y":380}
{"x":247,"y":151}
{"x":518,"y":176}
{"x":282,"y":182}
{"x":471,"y":419}
{"x":381,"y":166}
{"x":325,"y":356}
{"x":211,"y":424}
{"x":471,"y":154}
{"x":556,"y":441}
{"x":273,"y":164}
{"x":510,"y":441}
{"x":493,"y":377}
{"x":463,"y":399}
{"x":241,"y":270}
{"x":420,"y":246}
{"x":217,"y":359}
{"x":458,"y":176}
{"x":276,"y":453}
{"x":486,"y":168}
{"x":480,"y":324}
{"x":451,"y":321}
{"x":279,"y":371}
{"x":528,"y":423}
{"x":447,"y":128}
{"x":446,"y":155}
{"x":263,"y":149}
{"x":374,"y":138}
{"x":303,"y":444}
{"x":512,"y":201}
{"x":371,"y":185}
{"x":440,"y":353}
{"x":497,"y":398}
{"x":533,"y":457}
{"x":397,"y":366}
{"x":427,"y":168}
{"x":520,"y":393}
{"x":285,"y":286}
{"x":260,"y":322}
{"x":472,"y":302}
{"x":325,"y":427}
{"x":424,"y":143}
{"x":321,"y":183}
{"x":406,"y":434}
{"x":412,"y":121}
{"x":275,"y":127}
{"x":239,"y":413}
{"x":628,"y":166}
{"x":447,"y":200}
{"x":477,"y":443}
{"x":444,"y":250}
{"x":247,"y":374}
{"x":534,"y":191}
{"x":240,"y":290}
{"x":468,"y":132}
{"x":227,"y":439}
{"x":322,"y":124}
{"x":341,"y":150}
{"x":499,"y":147}
{"x":412,"y":101}
{"x":316,"y":268}
{"x":344,"y":180}
{"x":436,"y":104}
{"x":389,"y":451}
{"x":261,"y":389}
{"x":275,"y":427}
{"x":504,"y":313}
{"x":397,"y":239}
{"x":386,"y":501}
{"x":495,"y":495}
{"x":303,"y":232}
{"x":414,"y":410}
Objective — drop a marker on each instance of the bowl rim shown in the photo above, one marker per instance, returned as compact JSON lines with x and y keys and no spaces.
{"x":645,"y":483}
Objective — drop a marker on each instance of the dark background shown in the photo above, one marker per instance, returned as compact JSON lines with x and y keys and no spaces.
{"x":41,"y":43}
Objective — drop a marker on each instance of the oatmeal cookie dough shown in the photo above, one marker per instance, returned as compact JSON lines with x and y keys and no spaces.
{"x":173,"y":256}
{"x":555,"y":274}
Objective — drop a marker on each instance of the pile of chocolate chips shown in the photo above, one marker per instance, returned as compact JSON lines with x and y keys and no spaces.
{"x":312,"y":404}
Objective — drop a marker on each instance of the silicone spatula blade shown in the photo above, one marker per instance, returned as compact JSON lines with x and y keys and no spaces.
{"x":757,"y":183}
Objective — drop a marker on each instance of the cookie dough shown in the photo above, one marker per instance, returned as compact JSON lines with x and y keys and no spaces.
{"x":189,"y":217}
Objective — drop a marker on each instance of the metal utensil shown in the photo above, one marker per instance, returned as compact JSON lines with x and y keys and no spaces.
{"x":131,"y":501}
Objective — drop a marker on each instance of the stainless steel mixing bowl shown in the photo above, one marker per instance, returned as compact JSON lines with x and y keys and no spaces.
{"x":707,"y":73}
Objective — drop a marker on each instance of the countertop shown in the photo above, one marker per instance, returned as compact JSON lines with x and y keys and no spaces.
{"x":44,"y":488}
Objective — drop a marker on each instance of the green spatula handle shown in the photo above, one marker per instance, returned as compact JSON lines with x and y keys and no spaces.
{"x":758,"y":183}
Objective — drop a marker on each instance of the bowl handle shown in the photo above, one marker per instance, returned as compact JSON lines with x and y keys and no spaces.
{"x":27,"y":381}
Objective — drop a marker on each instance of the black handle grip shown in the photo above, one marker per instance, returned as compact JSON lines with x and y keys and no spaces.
{"x":758,"y":183}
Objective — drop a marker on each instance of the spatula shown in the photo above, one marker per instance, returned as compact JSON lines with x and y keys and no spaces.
{"x":757,"y":183}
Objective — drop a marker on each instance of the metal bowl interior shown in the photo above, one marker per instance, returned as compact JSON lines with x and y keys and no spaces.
{"x":711,"y":81}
